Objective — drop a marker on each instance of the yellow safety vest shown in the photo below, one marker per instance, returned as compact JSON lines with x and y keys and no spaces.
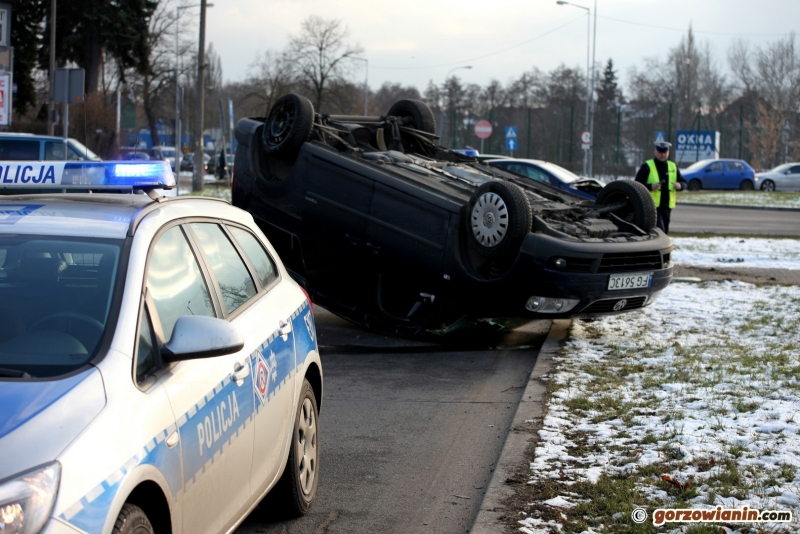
{"x":654,"y":178}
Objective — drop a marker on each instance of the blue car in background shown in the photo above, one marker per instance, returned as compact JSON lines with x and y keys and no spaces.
{"x":720,"y":174}
{"x":550,"y":173}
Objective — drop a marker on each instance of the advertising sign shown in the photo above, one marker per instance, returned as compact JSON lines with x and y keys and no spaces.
{"x":694,"y":145}
{"x":5,"y":99}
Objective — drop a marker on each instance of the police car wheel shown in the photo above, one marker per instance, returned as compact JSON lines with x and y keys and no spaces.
{"x":132,"y":520}
{"x":298,"y":485}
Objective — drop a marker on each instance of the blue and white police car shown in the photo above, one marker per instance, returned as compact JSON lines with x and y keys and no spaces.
{"x":159,"y":369}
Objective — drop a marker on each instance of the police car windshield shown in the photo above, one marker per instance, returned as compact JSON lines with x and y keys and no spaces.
{"x":83,"y":150}
{"x":55,"y":297}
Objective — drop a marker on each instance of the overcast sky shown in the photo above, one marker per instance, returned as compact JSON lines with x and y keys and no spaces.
{"x":414,"y":41}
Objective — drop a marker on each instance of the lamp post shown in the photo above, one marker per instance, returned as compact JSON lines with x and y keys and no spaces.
{"x":178,"y":153}
{"x":589,"y":80}
{"x":441,"y":126}
{"x":197,"y":179}
{"x":366,"y":78}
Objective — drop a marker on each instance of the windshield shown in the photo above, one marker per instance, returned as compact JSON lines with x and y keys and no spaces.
{"x":562,"y":174}
{"x":781,"y":168}
{"x":83,"y":150}
{"x":699,"y":165}
{"x":55,"y":296}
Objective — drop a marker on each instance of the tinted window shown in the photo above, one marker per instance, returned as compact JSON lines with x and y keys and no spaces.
{"x":262,"y":263}
{"x":232,"y":276}
{"x":21,"y":150}
{"x":175,"y":282}
{"x":735,"y":166}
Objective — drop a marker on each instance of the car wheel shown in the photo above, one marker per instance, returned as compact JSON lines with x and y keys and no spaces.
{"x":498,"y":219}
{"x":132,"y":520}
{"x":298,"y":485}
{"x":288,"y":126}
{"x":746,"y":185}
{"x":636,"y":203}
{"x":695,"y":185}
{"x":768,"y":186}
{"x":418,"y":111}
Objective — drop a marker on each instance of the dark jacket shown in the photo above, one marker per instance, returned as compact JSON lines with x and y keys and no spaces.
{"x":661,"y":167}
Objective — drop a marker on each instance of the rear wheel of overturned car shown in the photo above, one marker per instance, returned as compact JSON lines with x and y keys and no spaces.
{"x":298,"y":486}
{"x":635,"y":203}
{"x":695,"y":185}
{"x":420,"y":115}
{"x":768,"y":186}
{"x":498,"y":219}
{"x":288,"y":126}
{"x":132,"y":520}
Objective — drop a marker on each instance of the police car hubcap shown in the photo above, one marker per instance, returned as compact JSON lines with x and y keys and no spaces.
{"x":489,"y":219}
{"x":307,"y":447}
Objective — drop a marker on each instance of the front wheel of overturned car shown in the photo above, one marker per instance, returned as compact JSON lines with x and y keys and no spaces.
{"x":420,"y":115}
{"x":288,"y":126}
{"x":635,"y":203}
{"x":132,"y":520}
{"x":498,"y":219}
{"x":298,"y":485}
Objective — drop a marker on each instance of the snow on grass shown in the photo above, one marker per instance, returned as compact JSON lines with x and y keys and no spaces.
{"x":735,"y":251}
{"x":742,"y":198}
{"x":693,"y":402}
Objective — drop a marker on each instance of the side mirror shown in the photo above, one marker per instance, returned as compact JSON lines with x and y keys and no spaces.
{"x":197,"y":337}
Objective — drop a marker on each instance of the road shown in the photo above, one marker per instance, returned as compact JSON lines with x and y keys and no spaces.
{"x":698,"y":220}
{"x":410,"y":431}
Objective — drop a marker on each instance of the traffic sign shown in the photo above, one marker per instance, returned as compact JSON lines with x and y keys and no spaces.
{"x":660,"y":137}
{"x":483,"y":129}
{"x":511,"y":131}
{"x":511,"y":143}
{"x":586,"y":137}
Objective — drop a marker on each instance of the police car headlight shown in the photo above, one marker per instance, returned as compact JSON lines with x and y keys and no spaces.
{"x":27,"y":499}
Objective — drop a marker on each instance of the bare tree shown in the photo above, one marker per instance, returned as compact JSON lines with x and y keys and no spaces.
{"x":319,"y":53}
{"x":272,"y":75}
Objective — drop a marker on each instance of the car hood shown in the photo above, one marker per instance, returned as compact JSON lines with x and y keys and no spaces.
{"x":769,"y":174}
{"x":39,"y":418}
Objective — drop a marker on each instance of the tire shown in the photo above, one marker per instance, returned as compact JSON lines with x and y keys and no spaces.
{"x":746,"y":185}
{"x":768,"y":186}
{"x":418,"y":111}
{"x":132,"y":520}
{"x":695,"y":185}
{"x":288,"y":126}
{"x":498,"y":217}
{"x":639,"y":209}
{"x":298,"y":485}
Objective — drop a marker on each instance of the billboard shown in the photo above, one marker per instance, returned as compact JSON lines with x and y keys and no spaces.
{"x":694,"y":145}
{"x":5,"y":99}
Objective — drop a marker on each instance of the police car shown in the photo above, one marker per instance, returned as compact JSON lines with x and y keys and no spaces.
{"x":159,"y":369}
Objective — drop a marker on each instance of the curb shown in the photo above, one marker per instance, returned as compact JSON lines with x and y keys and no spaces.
{"x":519,"y":436}
{"x":730,"y":206}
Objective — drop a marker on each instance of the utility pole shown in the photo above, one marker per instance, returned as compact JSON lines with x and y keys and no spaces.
{"x":51,"y":101}
{"x":197,"y":179}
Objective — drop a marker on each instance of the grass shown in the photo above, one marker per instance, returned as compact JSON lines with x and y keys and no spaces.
{"x":742,"y":198}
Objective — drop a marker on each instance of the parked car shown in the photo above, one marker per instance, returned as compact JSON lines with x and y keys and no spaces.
{"x":187,"y":163}
{"x":784,"y":177}
{"x":390,"y":230}
{"x":132,"y":154}
{"x":164,"y":153}
{"x":31,"y":147}
{"x":159,"y":369}
{"x":720,"y":174}
{"x":550,"y":173}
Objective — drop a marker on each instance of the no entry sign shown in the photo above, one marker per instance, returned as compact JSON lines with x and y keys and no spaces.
{"x":483,"y":129}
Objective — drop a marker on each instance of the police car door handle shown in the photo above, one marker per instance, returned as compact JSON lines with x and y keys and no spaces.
{"x":239,"y":373}
{"x":173,"y":439}
{"x":284,"y":329}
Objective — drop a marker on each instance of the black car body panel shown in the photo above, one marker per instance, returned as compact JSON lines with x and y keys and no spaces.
{"x":380,"y":237}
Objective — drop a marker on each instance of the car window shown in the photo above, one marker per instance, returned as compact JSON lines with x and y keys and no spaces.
{"x":230,"y":271}
{"x":735,"y":166}
{"x":54,"y":151}
{"x":145,"y":351}
{"x":259,"y":259}
{"x":175,"y":281}
{"x":20,"y":150}
{"x":795,"y":169}
{"x":699,"y":165}
{"x":714,"y":167}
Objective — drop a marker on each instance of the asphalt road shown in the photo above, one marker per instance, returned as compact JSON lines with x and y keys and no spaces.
{"x":698,"y":220}
{"x":410,"y":431}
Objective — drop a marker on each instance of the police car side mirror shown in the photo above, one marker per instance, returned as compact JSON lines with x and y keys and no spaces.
{"x":197,"y":337}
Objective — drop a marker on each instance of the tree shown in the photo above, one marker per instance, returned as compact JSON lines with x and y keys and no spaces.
{"x":26,"y":31}
{"x":389,"y":93}
{"x":272,"y":75}
{"x":609,"y":97}
{"x":319,"y":53}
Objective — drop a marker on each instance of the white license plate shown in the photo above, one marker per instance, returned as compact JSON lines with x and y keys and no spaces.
{"x":630,"y":281}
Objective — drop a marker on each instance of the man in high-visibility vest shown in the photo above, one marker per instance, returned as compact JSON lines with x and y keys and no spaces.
{"x":662,"y":178}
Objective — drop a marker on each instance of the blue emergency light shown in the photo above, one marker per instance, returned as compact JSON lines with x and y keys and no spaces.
{"x":83,"y":175}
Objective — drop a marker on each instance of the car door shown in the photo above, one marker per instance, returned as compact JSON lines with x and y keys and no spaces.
{"x":791,"y":179}
{"x":261,"y":307}
{"x":714,"y":176}
{"x":212,"y":398}
{"x":735,"y":174}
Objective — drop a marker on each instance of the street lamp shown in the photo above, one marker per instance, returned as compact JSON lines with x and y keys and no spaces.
{"x":589,"y":81}
{"x":366,"y":77}
{"x":178,"y":94}
{"x":441,"y":114}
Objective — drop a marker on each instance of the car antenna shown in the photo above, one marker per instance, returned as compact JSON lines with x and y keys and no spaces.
{"x":85,"y":134}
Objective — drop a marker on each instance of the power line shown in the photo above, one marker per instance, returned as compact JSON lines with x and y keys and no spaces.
{"x":693,"y":30}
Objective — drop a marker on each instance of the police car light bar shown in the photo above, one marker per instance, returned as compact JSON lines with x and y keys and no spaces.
{"x":85,"y":175}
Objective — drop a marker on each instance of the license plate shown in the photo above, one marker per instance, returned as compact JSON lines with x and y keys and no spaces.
{"x":630,"y":281}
